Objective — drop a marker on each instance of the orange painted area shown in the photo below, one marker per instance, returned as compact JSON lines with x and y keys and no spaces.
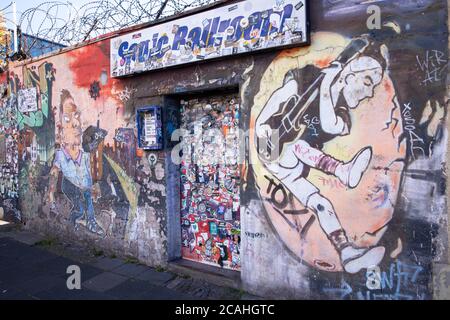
{"x":323,"y":63}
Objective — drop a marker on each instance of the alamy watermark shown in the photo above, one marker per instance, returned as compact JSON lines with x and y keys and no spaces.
{"x":74,"y":280}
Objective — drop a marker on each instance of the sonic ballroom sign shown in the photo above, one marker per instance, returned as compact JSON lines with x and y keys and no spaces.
{"x":240,"y":27}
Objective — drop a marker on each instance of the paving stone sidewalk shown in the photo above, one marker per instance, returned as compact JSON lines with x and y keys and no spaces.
{"x":33,"y":267}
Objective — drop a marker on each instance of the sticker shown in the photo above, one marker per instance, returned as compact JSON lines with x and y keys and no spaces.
{"x":229,"y":184}
{"x":221,"y":210}
{"x":275,"y":20}
{"x":192,"y":244}
{"x":244,"y":23}
{"x":253,"y":19}
{"x":230,"y":31}
{"x":290,"y":23}
{"x":254,"y":33}
{"x":152,"y":159}
{"x":274,"y":35}
{"x":213,"y":228}
{"x":277,"y":8}
{"x":299,"y":5}
{"x":228,"y":215}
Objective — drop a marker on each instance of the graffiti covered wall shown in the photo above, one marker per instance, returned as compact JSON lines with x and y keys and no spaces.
{"x":349,"y":205}
{"x":9,"y":167}
{"x":81,"y":173}
{"x":355,"y":190}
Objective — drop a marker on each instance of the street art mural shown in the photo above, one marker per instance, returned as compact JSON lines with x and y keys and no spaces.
{"x":210,"y":204}
{"x":341,"y":194}
{"x":321,"y":105}
{"x":335,"y":147}
{"x":9,"y":161}
{"x":78,"y":159}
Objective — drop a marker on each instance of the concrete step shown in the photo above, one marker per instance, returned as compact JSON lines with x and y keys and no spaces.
{"x":218,"y":276}
{"x":9,"y":227}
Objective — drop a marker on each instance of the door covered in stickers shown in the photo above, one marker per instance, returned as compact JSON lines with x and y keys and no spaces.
{"x":210,"y":206}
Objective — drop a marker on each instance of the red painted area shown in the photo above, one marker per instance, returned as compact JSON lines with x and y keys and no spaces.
{"x":88,"y":63}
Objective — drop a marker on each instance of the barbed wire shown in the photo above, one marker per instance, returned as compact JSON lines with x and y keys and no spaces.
{"x":62,"y":22}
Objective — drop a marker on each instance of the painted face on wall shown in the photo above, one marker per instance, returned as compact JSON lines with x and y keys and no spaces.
{"x":71,"y":124}
{"x":361,"y":77}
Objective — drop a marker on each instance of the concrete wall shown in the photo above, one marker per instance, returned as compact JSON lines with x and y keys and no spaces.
{"x":304,"y":226}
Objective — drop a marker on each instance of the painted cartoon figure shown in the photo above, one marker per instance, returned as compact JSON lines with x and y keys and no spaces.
{"x":309,"y":117}
{"x":74,"y":164}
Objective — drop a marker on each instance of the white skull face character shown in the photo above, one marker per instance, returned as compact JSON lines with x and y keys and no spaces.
{"x":360,"y":77}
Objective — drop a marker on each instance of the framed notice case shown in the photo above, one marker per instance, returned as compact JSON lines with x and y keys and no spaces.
{"x":149,"y":126}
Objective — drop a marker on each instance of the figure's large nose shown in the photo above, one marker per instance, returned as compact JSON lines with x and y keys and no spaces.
{"x":370,"y":92}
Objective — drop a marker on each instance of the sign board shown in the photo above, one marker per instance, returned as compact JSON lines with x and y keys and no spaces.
{"x":27,"y":100}
{"x":246,"y":26}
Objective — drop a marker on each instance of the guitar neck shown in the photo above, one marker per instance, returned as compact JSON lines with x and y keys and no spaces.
{"x":288,"y":122}
{"x":354,"y":48}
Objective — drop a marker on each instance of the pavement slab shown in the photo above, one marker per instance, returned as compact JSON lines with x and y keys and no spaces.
{"x":130,"y":269}
{"x":155,"y":277}
{"x":62,"y":293}
{"x":133,"y":289}
{"x":104,"y":282}
{"x":108,"y":264}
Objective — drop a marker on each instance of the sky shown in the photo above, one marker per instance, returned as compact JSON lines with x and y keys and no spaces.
{"x":69,"y":29}
{"x":23,"y":5}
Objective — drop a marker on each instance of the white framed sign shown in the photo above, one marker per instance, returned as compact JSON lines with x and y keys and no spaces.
{"x":245,"y":26}
{"x":27,"y":100}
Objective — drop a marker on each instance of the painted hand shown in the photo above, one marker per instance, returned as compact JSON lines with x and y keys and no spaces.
{"x":263,"y":131}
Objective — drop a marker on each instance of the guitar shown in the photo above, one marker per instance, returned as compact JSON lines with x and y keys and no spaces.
{"x":290,"y":115}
